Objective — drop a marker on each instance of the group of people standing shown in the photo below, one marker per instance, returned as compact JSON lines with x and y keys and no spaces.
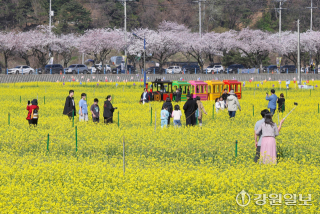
{"x":70,"y":108}
{"x":193,"y":110}
{"x":273,"y":100}
{"x":266,"y":130}
{"x":228,"y":100}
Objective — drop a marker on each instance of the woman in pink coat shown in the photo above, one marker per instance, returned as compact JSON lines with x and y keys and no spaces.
{"x":268,"y":150}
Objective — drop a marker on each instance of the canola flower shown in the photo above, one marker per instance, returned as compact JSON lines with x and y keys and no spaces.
{"x":169,"y":170}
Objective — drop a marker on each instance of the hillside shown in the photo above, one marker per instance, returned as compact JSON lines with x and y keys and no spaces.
{"x":217,"y":15}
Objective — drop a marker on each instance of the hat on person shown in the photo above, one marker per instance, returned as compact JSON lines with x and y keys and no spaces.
{"x":231,"y":92}
{"x":34,"y":102}
{"x":188,"y":95}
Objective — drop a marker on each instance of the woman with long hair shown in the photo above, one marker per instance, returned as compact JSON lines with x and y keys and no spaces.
{"x":268,"y":151}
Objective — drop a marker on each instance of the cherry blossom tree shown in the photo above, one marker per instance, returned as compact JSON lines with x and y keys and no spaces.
{"x":288,"y":47}
{"x":100,"y":42}
{"x":193,"y":46}
{"x":164,"y":43}
{"x":23,"y":46}
{"x":135,"y":48}
{"x":7,"y":45}
{"x":254,"y":44}
{"x":66,"y":45}
{"x":40,"y":43}
{"x":211,"y":45}
{"x":310,"y":42}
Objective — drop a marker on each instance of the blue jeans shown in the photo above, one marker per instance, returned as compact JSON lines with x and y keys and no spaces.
{"x":232,"y":114}
{"x":177,"y":123}
{"x":272,"y":111}
{"x":164,"y":123}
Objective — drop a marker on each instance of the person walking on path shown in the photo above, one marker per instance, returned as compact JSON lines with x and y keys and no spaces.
{"x":83,"y":108}
{"x":233,"y":104}
{"x":272,"y":105}
{"x":70,"y":105}
{"x":33,"y":109}
{"x":176,"y":114}
{"x":164,"y":114}
{"x":169,"y":107}
{"x":258,"y":143}
{"x":177,"y":94}
{"x":95,"y":111}
{"x":281,"y":103}
{"x":268,"y":150}
{"x":190,"y":108}
{"x":200,"y":109}
{"x":108,"y":110}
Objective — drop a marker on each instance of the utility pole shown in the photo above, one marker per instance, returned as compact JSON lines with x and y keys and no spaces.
{"x":125,"y":34}
{"x":144,"y":49}
{"x":311,"y":14}
{"x":200,"y":17}
{"x":50,"y":16}
{"x":279,"y":10}
{"x":124,"y":3}
{"x":298,"y":58}
{"x":311,"y":27}
{"x":144,"y":53}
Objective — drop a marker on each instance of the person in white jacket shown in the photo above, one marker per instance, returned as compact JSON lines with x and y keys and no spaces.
{"x":233,"y":104}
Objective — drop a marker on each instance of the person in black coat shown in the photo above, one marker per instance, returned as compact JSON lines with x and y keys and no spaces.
{"x":190,"y":108}
{"x":145,"y":96}
{"x":69,"y":105}
{"x":108,"y":110}
{"x":168,"y":105}
{"x":178,"y":95}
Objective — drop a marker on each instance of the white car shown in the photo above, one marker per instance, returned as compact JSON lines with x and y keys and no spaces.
{"x":215,"y":69}
{"x":174,"y":70}
{"x":21,"y":69}
{"x":107,"y":67}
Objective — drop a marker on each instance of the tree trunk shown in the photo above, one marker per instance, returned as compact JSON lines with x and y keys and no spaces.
{"x":5,"y":59}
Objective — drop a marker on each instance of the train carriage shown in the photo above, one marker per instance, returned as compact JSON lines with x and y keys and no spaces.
{"x":199,"y":88}
{"x":161,"y":90}
{"x":233,"y":85}
{"x":184,"y":87}
{"x":215,"y":89}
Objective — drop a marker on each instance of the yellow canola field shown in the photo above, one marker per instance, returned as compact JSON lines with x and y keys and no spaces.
{"x":169,"y":170}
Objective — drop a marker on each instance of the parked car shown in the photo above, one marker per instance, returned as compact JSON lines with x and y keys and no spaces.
{"x":191,"y":69}
{"x":290,"y":68}
{"x":129,"y":68}
{"x":234,"y":68}
{"x":272,"y":68}
{"x":155,"y":70}
{"x":75,"y":68}
{"x":99,"y":66}
{"x":214,"y":69}
{"x":174,"y":70}
{"x":54,"y":68}
{"x":21,"y":69}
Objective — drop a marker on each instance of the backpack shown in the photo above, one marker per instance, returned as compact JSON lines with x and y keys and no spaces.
{"x":34,"y":114}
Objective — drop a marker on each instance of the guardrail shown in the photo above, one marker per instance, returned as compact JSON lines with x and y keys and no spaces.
{"x":150,"y":77}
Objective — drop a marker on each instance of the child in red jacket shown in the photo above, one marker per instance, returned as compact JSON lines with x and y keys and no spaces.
{"x":33,"y":112}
